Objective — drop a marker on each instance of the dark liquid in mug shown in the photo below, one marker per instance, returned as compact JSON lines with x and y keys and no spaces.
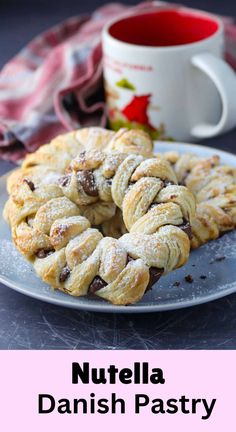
{"x":164,"y":28}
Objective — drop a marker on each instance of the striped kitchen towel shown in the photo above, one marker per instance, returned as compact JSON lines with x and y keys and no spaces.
{"x":54,"y":84}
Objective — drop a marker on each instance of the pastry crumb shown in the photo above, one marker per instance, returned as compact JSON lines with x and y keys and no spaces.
{"x":189,"y":278}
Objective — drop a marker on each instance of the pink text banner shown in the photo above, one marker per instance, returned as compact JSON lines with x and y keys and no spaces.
{"x":118,"y":391}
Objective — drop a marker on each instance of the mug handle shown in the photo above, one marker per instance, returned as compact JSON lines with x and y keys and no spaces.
{"x":224,"y":79}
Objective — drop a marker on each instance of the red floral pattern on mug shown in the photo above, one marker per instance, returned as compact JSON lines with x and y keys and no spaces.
{"x":136,"y":110}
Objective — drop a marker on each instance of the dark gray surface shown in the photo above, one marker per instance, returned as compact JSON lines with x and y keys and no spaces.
{"x":30,"y":324}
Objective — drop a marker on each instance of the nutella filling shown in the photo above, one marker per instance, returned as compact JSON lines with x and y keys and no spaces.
{"x":154,"y":272}
{"x":186,"y":227}
{"x":64,"y":274}
{"x":43,"y":253}
{"x":155,"y":275}
{"x":30,"y":184}
{"x":88,"y":183}
{"x":96,"y":284}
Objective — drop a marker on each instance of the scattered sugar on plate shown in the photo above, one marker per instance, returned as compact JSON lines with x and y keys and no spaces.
{"x":12,"y":262}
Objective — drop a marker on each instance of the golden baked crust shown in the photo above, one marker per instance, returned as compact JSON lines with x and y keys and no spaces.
{"x":56,"y":156}
{"x":214,"y":187}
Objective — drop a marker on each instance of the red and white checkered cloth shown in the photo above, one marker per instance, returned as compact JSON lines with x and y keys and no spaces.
{"x":48,"y":87}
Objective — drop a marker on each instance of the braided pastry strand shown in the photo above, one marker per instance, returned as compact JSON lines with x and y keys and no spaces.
{"x":214,"y":187}
{"x":51,"y":160}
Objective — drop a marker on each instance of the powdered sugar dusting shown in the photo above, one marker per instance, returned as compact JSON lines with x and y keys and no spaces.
{"x":51,"y":178}
{"x":9,"y":255}
{"x":224,"y":246}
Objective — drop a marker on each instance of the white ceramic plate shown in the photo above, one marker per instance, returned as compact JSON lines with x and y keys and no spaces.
{"x":220,"y":279}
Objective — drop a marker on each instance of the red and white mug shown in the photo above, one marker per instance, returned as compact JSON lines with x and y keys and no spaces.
{"x":164,"y":72}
